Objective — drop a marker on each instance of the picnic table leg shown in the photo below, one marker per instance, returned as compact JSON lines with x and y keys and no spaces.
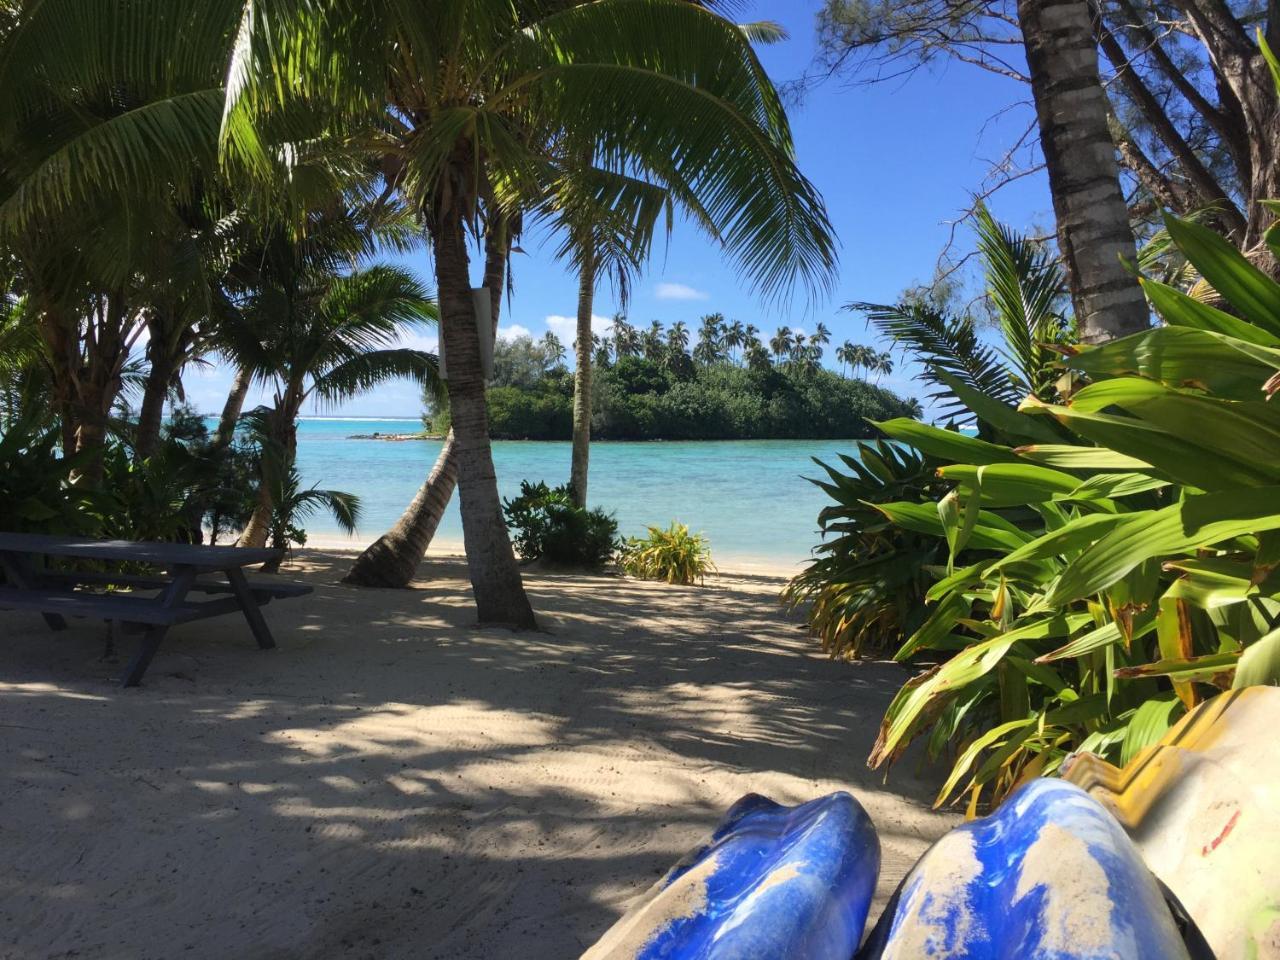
{"x":249,"y":604}
{"x":19,"y":572}
{"x":172,"y":596}
{"x":142,"y":659}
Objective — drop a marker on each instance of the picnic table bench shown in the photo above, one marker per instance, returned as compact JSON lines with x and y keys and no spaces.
{"x":186,"y":569}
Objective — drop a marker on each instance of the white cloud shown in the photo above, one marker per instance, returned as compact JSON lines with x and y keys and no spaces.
{"x":513,"y":332}
{"x":680,"y":291}
{"x":566,"y":328}
{"x":428,"y":342}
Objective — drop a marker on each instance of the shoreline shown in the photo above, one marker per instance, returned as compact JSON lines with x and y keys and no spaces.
{"x":444,"y":548}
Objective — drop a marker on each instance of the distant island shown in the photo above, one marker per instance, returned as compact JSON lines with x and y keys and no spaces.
{"x":649,"y":386}
{"x":395,"y":437}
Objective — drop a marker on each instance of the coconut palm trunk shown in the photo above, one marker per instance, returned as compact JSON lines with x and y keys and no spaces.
{"x":284,"y":433}
{"x":232,"y":408}
{"x":582,"y":374}
{"x":495,"y":576}
{"x":162,"y":357}
{"x":1084,"y":179}
{"x":393,"y":559}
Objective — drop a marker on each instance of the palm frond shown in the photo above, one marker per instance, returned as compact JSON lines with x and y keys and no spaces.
{"x":1026,"y":287}
{"x":365,"y":371}
{"x":939,"y":341}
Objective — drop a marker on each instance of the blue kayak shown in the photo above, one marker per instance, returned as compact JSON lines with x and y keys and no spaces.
{"x":1050,"y":875}
{"x":774,"y":882}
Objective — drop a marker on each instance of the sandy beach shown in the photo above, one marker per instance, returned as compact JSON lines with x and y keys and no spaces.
{"x":393,"y":783}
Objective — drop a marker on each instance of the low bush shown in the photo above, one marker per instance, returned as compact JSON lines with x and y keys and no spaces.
{"x":548,"y":525}
{"x":674,"y":555}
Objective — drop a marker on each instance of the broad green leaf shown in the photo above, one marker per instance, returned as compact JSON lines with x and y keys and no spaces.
{"x":1006,"y":419}
{"x":1080,"y":458}
{"x":1198,"y":521}
{"x":1149,"y":723}
{"x":1184,"y":357}
{"x":975,"y":749}
{"x":964,"y":668}
{"x":1244,"y":432}
{"x":991,"y":531}
{"x":1206,"y":669}
{"x":1011,"y":484}
{"x":960,"y":578}
{"x":1228,"y":271}
{"x":939,"y":625}
{"x":1110,"y":486}
{"x":1180,"y":310}
{"x":1076,"y":535}
{"x":1099,"y":638}
{"x":1179,"y":456}
{"x":946,"y":444}
{"x":1260,"y":663}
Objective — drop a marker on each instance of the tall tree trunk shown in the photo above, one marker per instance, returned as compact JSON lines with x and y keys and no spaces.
{"x":582,"y":374}
{"x":156,"y":391}
{"x":393,"y":559}
{"x":495,"y":576}
{"x":1084,"y":179}
{"x":231,"y":410}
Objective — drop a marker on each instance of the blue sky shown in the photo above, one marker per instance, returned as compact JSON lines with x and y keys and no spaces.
{"x":895,"y":163}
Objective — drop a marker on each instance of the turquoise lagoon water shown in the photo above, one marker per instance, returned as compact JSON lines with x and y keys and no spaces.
{"x":749,"y":497}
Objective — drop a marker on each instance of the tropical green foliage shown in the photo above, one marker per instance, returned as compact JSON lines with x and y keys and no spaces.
{"x":674,"y":555}
{"x":861,"y":595}
{"x":1095,"y":585}
{"x":641,"y":399}
{"x":292,"y":504}
{"x":547,"y":525}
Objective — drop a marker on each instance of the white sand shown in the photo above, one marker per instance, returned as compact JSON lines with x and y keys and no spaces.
{"x":391,"y":782}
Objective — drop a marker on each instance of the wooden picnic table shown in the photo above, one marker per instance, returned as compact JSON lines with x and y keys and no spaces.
{"x":183,"y":568}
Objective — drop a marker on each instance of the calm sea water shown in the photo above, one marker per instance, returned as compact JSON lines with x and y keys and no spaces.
{"x":748,"y":497}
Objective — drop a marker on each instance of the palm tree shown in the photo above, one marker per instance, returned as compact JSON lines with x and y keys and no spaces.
{"x":653,"y":342}
{"x":846,"y":354}
{"x":553,"y":349}
{"x":710,"y":339}
{"x":881,"y":363}
{"x":734,"y":338}
{"x":758,"y":356}
{"x":1094,"y":234}
{"x":781,"y":343}
{"x":80,"y":156}
{"x":309,"y":333}
{"x":626,"y":340}
{"x":821,"y":335}
{"x":678,"y":337}
{"x":477,"y":104}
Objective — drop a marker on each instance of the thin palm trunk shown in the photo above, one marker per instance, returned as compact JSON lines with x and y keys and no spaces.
{"x":284,"y":432}
{"x":495,"y":576}
{"x":1093,"y":222}
{"x":393,"y":559}
{"x":232,"y":408}
{"x":582,"y":375}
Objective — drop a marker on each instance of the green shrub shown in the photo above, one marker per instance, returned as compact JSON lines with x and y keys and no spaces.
{"x":548,"y":525}
{"x":674,"y":555}
{"x":1108,"y":558}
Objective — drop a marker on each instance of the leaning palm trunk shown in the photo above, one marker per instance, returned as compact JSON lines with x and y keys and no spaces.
{"x":392,"y":559}
{"x":232,"y":408}
{"x":1084,"y":179}
{"x":582,"y":376}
